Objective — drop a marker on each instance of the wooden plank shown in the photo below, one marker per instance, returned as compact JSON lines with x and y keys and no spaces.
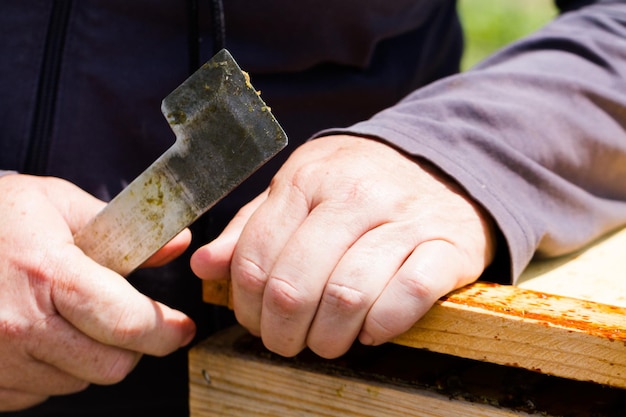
{"x":233,"y":375}
{"x":511,"y":326}
{"x":218,"y":293}
{"x":537,"y":330}
{"x":228,"y":382}
{"x":596,"y":273}
{"x":555,"y":321}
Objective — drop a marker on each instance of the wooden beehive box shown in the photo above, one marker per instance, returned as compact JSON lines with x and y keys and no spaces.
{"x":554,"y":345}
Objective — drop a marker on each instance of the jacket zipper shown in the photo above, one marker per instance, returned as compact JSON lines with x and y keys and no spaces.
{"x":43,"y":119}
{"x":218,"y":26}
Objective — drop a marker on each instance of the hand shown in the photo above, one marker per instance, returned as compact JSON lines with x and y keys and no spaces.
{"x":352,"y":240}
{"x":66,"y":321}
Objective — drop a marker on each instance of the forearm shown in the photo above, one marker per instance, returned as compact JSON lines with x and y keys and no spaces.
{"x":534,"y":134}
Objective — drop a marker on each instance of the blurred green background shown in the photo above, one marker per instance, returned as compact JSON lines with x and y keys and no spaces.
{"x":490,"y":24}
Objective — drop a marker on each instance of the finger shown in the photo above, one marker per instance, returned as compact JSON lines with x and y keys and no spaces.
{"x":11,"y":400}
{"x":212,"y":261}
{"x":78,"y":207}
{"x":432,"y":270}
{"x":39,"y":378}
{"x":75,"y":205}
{"x":262,"y":239}
{"x":78,"y":215}
{"x":68,"y":359}
{"x":301,"y":272}
{"x":106,"y":307}
{"x":34,"y":376}
{"x":357,"y":281}
{"x":172,"y":250}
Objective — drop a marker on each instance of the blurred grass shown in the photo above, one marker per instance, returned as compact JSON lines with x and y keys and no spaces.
{"x":491,"y":24}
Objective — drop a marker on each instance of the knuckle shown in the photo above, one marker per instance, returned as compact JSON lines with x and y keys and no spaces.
{"x":43,"y":265}
{"x":417,"y":293}
{"x":285,"y":299}
{"x":304,"y":174}
{"x":117,"y":367}
{"x":11,"y":329}
{"x":381,"y":330}
{"x":248,"y":275}
{"x":416,"y":285}
{"x":344,"y":298}
{"x":129,"y":329}
{"x":354,"y":192}
{"x":315,"y":177}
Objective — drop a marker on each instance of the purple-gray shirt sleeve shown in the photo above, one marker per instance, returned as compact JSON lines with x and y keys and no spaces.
{"x":5,"y":172}
{"x":535,"y":134}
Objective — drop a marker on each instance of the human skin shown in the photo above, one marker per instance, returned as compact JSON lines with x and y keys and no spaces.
{"x":352,"y":240}
{"x":65,"y":321}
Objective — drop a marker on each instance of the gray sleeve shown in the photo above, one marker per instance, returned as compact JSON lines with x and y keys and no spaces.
{"x":5,"y":172}
{"x":536,"y":133}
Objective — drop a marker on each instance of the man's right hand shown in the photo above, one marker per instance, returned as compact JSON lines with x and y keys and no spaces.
{"x":65,"y":321}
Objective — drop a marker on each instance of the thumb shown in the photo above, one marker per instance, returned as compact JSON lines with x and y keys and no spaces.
{"x":107,"y":308}
{"x":76,"y":206}
{"x":79,"y":207}
{"x":212,"y":261}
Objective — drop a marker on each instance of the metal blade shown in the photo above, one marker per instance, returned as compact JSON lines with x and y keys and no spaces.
{"x":224,"y":133}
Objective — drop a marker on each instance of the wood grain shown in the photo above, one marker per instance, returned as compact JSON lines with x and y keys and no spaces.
{"x":596,"y":273}
{"x":228,"y":381}
{"x":511,"y":326}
